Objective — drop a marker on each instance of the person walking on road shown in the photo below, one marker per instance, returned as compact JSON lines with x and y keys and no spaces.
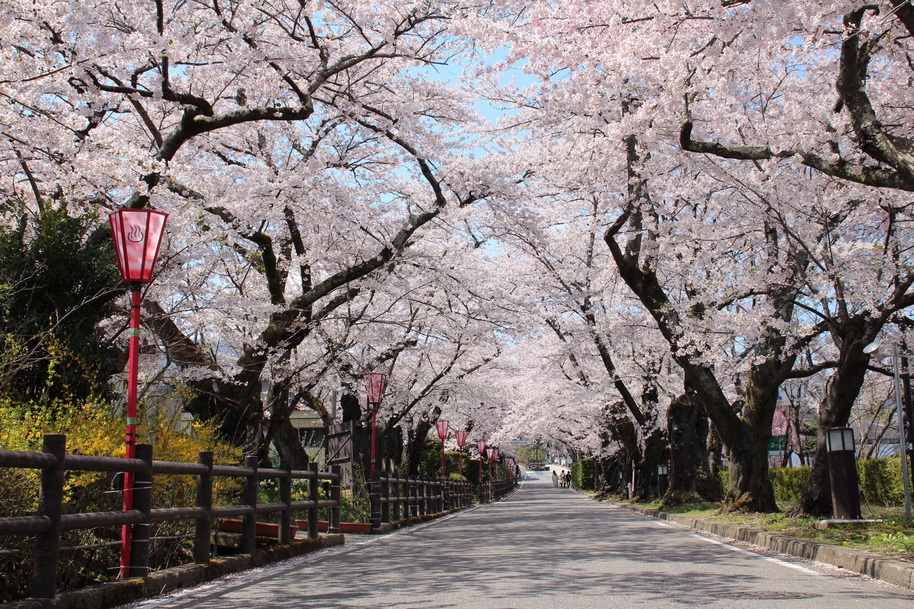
{"x":555,"y":479}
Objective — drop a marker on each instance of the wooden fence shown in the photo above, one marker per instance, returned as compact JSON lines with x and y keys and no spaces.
{"x":393,"y":498}
{"x":46,"y":526}
{"x":496,"y":489}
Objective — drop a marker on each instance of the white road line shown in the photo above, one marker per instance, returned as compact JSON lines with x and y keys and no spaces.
{"x":745,"y":552}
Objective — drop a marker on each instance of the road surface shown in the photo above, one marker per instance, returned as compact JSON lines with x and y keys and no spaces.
{"x":543,"y":547}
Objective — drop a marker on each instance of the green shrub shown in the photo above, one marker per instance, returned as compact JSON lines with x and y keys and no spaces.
{"x":789,"y":483}
{"x":583,"y":474}
{"x":881,"y":481}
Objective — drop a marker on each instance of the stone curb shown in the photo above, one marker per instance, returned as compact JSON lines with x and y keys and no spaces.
{"x":121,"y":592}
{"x":890,"y":570}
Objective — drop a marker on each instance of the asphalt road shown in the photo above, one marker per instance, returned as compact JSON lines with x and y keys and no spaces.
{"x":542,"y":547}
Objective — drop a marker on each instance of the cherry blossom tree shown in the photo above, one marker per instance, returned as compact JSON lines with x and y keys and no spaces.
{"x":628,"y":87}
{"x":291,"y":143}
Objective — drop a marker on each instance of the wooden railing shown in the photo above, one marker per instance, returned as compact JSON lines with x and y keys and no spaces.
{"x":50,"y":521}
{"x":395,"y":498}
{"x":494,"y":490}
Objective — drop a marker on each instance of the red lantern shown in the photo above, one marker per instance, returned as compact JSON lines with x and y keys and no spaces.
{"x":137,"y":236}
{"x":375,"y":384}
{"x":481,"y":448}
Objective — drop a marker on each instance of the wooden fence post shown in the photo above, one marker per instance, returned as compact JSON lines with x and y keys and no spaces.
{"x":313,"y":497}
{"x":334,"y":524}
{"x":375,"y":496}
{"x":250,"y":493}
{"x":142,"y":502}
{"x":50,"y":505}
{"x":285,"y":497}
{"x":385,"y":497}
{"x":204,"y":526}
{"x":395,"y":513}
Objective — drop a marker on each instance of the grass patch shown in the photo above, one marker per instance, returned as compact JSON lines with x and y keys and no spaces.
{"x":893,"y":537}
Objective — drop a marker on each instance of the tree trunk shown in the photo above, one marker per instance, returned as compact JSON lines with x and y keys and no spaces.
{"x":614,"y":475}
{"x":746,"y":437}
{"x":237,"y":407}
{"x":392,"y":444}
{"x":288,"y":444}
{"x":620,"y":428}
{"x":750,"y":488}
{"x":715,"y":451}
{"x":689,"y":470}
{"x":654,"y":453}
{"x":416,"y":444}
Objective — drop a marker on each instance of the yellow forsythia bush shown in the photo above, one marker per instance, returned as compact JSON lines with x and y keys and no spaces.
{"x":89,"y":556}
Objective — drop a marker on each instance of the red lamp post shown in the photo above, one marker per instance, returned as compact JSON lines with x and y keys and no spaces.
{"x":375,"y":384}
{"x":137,"y":237}
{"x":481,"y":450}
{"x":490,"y":454}
{"x":461,"y":440}
{"x":441,"y":426}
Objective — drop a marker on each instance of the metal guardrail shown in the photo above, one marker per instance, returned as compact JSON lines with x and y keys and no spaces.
{"x":46,"y":526}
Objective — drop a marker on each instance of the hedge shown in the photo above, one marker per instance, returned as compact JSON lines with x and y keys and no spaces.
{"x":880,"y":482}
{"x":583,"y":474}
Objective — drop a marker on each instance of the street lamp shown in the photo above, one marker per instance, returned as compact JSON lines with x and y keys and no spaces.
{"x":441,"y":426}
{"x":137,"y":237}
{"x":842,"y":473}
{"x":663,"y":471}
{"x":461,"y":440}
{"x":375,"y":384}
